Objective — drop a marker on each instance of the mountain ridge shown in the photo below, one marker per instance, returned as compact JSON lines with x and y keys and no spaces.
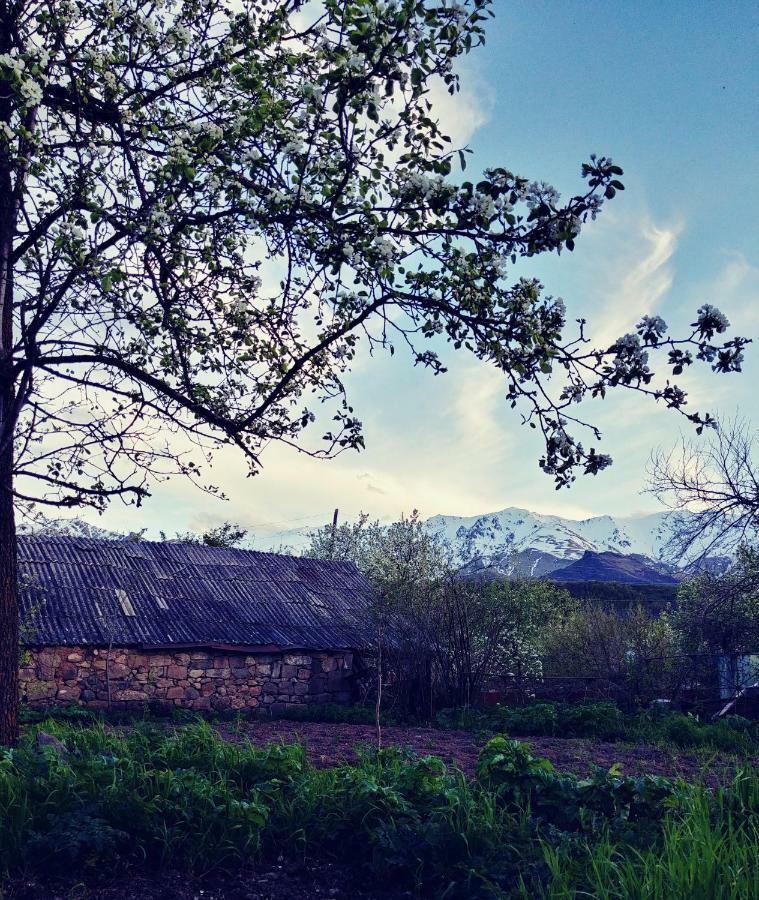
{"x":516,"y":541}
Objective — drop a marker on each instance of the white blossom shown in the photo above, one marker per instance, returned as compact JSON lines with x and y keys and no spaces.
{"x":74,"y":231}
{"x":484,"y":206}
{"x":295,"y":147}
{"x":159,"y":217}
{"x":651,"y":328}
{"x":500,"y":264}
{"x":178,"y":153}
{"x":711,"y":319}
{"x":356,"y":62}
{"x":312,"y":92}
{"x":559,"y":307}
{"x":182,"y":34}
{"x":594,"y":205}
{"x":12,"y":61}
{"x":420,"y":185}
{"x":385,"y":248}
{"x":540,"y":192}
{"x":213,"y":131}
{"x":31,"y":91}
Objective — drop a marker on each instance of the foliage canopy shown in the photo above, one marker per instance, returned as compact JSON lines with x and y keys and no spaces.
{"x":213,"y":203}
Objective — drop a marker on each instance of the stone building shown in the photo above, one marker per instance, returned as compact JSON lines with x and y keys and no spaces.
{"x":137,"y":623}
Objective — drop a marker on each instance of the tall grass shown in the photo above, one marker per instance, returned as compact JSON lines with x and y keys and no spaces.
{"x":149,"y":797}
{"x":708,"y":852}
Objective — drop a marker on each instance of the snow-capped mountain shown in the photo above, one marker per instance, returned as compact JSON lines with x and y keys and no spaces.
{"x":517,"y":541}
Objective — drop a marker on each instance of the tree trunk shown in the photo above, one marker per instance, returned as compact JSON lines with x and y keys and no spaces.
{"x":8,"y":569}
{"x":8,"y":601}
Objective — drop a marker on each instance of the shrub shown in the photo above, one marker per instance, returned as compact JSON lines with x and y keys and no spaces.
{"x":602,"y":720}
{"x":606,"y":802}
{"x":708,"y":850}
{"x":154,"y":796}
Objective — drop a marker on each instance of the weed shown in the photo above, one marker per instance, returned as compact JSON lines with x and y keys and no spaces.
{"x":605,"y":721}
{"x":180,"y":796}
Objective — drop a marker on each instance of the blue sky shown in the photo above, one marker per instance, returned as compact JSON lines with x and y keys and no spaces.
{"x":669,"y":90}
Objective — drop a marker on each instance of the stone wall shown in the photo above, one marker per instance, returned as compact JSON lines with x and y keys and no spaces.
{"x":195,"y":679}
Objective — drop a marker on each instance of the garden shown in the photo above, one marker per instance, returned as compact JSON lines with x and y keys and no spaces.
{"x":226,"y":809}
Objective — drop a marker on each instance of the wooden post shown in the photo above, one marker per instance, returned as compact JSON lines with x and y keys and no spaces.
{"x":334,"y":534}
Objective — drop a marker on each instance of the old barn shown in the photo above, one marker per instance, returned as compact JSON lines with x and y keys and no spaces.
{"x":135,"y":623}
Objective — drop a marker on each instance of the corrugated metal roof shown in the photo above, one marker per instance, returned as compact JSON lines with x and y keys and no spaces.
{"x":83,"y":591}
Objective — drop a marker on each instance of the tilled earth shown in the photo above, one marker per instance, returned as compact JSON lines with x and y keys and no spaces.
{"x":327,"y":744}
{"x":290,"y":881}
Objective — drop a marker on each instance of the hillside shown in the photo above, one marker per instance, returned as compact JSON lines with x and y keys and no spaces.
{"x":632,"y":569}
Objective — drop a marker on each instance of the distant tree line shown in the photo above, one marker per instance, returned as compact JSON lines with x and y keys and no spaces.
{"x":445,"y":638}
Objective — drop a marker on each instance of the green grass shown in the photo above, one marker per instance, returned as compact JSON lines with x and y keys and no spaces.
{"x":332,"y":713}
{"x":596,"y":720}
{"x":602,"y":720}
{"x":152,"y":796}
{"x":708,"y":852}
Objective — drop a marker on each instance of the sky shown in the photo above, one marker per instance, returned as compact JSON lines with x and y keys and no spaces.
{"x":669,"y":90}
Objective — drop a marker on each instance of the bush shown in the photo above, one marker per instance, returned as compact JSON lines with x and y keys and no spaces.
{"x":708,"y":850}
{"x":686,"y":731}
{"x":601,"y":720}
{"x":630,"y":655}
{"x":541,"y":719}
{"x":151,"y":796}
{"x":590,"y":719}
{"x":604,"y":803}
{"x":156,"y":796}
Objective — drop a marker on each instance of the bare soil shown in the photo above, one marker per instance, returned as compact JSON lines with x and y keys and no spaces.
{"x":329,"y":744}
{"x":291,"y":881}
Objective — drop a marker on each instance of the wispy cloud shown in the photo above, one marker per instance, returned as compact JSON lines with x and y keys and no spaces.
{"x":477,"y":407}
{"x":637,"y":279}
{"x":737,"y":287}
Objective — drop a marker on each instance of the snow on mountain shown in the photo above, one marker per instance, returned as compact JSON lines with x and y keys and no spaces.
{"x":516,"y":541}
{"x":510,"y":542}
{"x":548,"y":540}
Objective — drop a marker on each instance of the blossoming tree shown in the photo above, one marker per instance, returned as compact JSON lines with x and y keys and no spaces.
{"x":205,"y":206}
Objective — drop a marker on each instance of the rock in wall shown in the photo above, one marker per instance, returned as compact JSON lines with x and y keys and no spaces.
{"x":194,"y":679}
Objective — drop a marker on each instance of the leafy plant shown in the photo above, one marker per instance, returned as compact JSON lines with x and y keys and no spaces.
{"x":604,"y":801}
{"x":153,"y":795}
{"x":603,"y":720}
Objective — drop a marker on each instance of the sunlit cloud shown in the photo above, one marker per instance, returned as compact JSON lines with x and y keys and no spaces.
{"x":460,"y":115}
{"x":637,"y":279}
